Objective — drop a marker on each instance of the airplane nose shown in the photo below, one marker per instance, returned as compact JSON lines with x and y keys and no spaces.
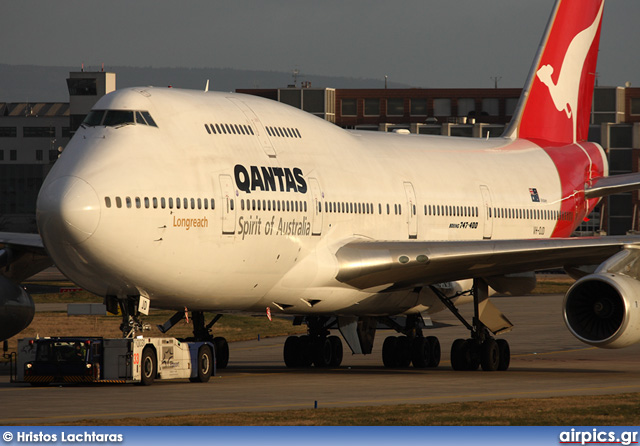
{"x":68,"y":210}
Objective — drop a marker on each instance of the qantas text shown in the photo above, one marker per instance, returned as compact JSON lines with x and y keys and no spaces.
{"x":263,"y":178}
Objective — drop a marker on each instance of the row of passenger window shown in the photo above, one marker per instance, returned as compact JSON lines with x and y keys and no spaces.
{"x":112,"y":118}
{"x":248,"y":204}
{"x":329,"y":207}
{"x":529,"y":214}
{"x":162,"y":203}
{"x":343,"y":207}
{"x":506,"y":213}
{"x":333,"y":207}
{"x":229,"y":129}
{"x":451,"y":211}
{"x":273,"y":205}
{"x":283,"y":132}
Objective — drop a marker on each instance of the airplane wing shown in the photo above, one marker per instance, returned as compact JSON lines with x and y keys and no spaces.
{"x":22,"y":255}
{"x":615,"y":184}
{"x":18,"y":239}
{"x":405,"y":264}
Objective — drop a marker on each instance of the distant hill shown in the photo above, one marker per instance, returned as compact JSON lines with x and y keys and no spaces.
{"x":21,"y":83}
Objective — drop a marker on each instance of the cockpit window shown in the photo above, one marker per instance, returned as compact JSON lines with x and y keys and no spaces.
{"x":116,"y":118}
{"x":94,"y":118}
{"x":140,"y":119}
{"x":149,"y":119}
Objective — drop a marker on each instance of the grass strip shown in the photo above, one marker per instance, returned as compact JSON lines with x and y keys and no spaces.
{"x":598,"y":410}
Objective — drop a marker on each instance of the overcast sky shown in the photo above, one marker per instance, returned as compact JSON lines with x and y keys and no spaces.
{"x":423,"y":43}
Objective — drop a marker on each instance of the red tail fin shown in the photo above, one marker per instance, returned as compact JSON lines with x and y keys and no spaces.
{"x":556,"y":102}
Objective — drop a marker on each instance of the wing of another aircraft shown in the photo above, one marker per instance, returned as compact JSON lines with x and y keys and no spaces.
{"x":405,"y":264}
{"x":21,"y":256}
{"x":33,"y":241}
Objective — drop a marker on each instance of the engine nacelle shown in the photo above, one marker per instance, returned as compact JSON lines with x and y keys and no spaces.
{"x":16,"y":308}
{"x":603,"y":310}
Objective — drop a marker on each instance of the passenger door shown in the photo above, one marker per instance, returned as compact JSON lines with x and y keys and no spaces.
{"x":256,"y":124}
{"x":227,"y":205}
{"x":316,"y":206}
{"x":488,"y":217}
{"x":412,"y":219}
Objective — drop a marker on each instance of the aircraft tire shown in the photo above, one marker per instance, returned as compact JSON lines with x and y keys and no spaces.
{"x":389,"y":357}
{"x":489,"y":355}
{"x":322,"y":352}
{"x":205,"y":364}
{"x":505,"y":354}
{"x":221,"y":346}
{"x":435,"y":352}
{"x":420,"y":352}
{"x":336,"y":351}
{"x":403,"y":351}
{"x":292,"y":352}
{"x":474,"y":353}
{"x":149,"y":368}
{"x":459,"y":353}
{"x":305,"y":351}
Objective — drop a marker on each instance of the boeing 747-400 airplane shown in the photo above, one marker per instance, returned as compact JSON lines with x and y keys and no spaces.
{"x":220,"y":202}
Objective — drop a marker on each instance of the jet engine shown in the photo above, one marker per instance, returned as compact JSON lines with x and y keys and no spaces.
{"x":602,"y":310}
{"x":16,"y":308}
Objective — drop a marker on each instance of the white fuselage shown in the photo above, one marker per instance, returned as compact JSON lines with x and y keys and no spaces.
{"x":256,"y":247}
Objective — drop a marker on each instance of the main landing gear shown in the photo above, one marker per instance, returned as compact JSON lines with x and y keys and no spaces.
{"x":481,"y":349}
{"x":412,"y":347}
{"x":316,"y":348}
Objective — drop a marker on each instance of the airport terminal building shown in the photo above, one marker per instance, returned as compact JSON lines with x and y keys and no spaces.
{"x":33,"y":134}
{"x":30,"y":135}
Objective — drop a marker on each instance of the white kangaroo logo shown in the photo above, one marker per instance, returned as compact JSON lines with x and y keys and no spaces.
{"x":565,"y":92}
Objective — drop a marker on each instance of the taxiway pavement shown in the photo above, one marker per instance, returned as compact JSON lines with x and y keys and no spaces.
{"x":546,"y":361}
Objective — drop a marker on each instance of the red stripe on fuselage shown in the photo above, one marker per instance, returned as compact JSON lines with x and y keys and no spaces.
{"x":575,"y":169}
